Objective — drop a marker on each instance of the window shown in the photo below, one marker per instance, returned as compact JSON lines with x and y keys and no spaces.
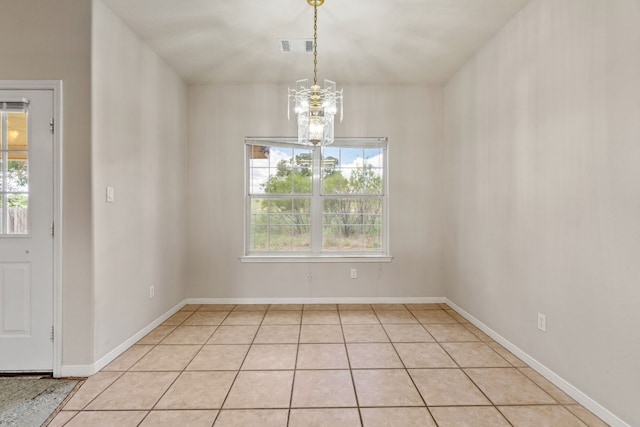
{"x":316,"y":201}
{"x":14,"y":169}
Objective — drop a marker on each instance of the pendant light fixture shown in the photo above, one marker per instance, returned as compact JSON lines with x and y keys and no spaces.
{"x":314,"y":106}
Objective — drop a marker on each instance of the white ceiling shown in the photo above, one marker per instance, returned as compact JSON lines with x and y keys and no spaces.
{"x":380,"y":41}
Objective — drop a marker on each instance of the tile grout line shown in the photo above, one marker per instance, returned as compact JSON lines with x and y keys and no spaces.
{"x":353,"y":382}
{"x":122,"y":373}
{"x":465,"y":373}
{"x":179,"y":372}
{"x":405,"y":366}
{"x":186,"y":365}
{"x":63,"y":403}
{"x":239,"y":367}
{"x":493,"y":405}
{"x":295,"y":368}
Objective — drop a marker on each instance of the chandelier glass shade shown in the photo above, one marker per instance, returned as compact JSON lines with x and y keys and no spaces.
{"x":315,"y":107}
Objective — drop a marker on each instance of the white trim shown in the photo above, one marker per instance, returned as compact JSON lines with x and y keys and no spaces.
{"x":316,"y":258}
{"x":56,"y":87}
{"x":315,"y":198}
{"x":319,"y":300}
{"x":78,"y":371}
{"x":82,"y":371}
{"x":557,"y":380}
{"x":109,"y":357}
{"x":58,"y":168}
{"x":287,"y":141}
{"x":88,"y":370}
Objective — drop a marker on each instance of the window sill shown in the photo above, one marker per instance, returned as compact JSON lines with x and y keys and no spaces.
{"x":316,"y":258}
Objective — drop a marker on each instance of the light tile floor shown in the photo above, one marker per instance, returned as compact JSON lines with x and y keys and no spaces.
{"x":319,"y":365}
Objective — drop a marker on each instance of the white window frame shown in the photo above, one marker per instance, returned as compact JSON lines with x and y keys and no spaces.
{"x":316,"y":254}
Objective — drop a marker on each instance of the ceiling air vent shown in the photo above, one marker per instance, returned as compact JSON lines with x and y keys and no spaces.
{"x":295,"y":45}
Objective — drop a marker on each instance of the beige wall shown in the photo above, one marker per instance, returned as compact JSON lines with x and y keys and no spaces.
{"x":219,"y":119}
{"x":139,"y":140}
{"x":542,"y":131}
{"x":62,"y":52}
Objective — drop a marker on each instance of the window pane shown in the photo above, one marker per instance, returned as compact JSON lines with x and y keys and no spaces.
{"x":373,"y":170}
{"x":280,"y":238}
{"x":372,"y":237}
{"x":348,"y":170}
{"x":259,"y":238}
{"x":17,"y":213}
{"x":285,"y":238}
{"x":17,"y":174}
{"x":333,"y":182}
{"x":280,"y":225}
{"x":17,"y":131}
{"x":276,"y":170}
{"x":351,"y":224}
{"x":354,"y":238}
{"x":14,"y":173}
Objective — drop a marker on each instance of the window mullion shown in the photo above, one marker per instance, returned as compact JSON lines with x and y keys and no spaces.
{"x":4,"y":159}
{"x":248,"y":221}
{"x":316,"y":203}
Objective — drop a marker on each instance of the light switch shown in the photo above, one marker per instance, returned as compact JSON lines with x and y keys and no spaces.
{"x":109,"y":194}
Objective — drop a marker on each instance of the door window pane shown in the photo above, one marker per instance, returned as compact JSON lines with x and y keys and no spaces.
{"x":18,"y":209}
{"x":14,"y":173}
{"x":17,"y":131}
{"x":17,"y":174}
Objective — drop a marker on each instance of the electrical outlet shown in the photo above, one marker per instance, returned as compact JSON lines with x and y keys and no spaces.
{"x":542,"y":322}
{"x":152,"y":292}
{"x":354,"y":273}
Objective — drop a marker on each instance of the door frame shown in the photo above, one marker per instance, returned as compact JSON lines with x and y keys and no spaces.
{"x":56,"y":87}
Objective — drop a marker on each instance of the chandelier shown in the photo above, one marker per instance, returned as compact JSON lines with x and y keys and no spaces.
{"x":315,"y":106}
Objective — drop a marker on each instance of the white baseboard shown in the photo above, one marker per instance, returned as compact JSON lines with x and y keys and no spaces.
{"x":77,"y":371}
{"x":557,"y":380}
{"x":88,"y":370}
{"x":318,"y":300}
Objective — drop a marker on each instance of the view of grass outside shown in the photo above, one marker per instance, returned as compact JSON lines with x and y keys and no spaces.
{"x":350,"y":198}
{"x":281,"y":225}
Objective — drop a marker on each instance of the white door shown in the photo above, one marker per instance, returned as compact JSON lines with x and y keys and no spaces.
{"x":26,"y":242}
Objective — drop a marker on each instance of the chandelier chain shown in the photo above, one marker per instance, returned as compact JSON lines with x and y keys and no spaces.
{"x":315,"y":107}
{"x":315,"y":45}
